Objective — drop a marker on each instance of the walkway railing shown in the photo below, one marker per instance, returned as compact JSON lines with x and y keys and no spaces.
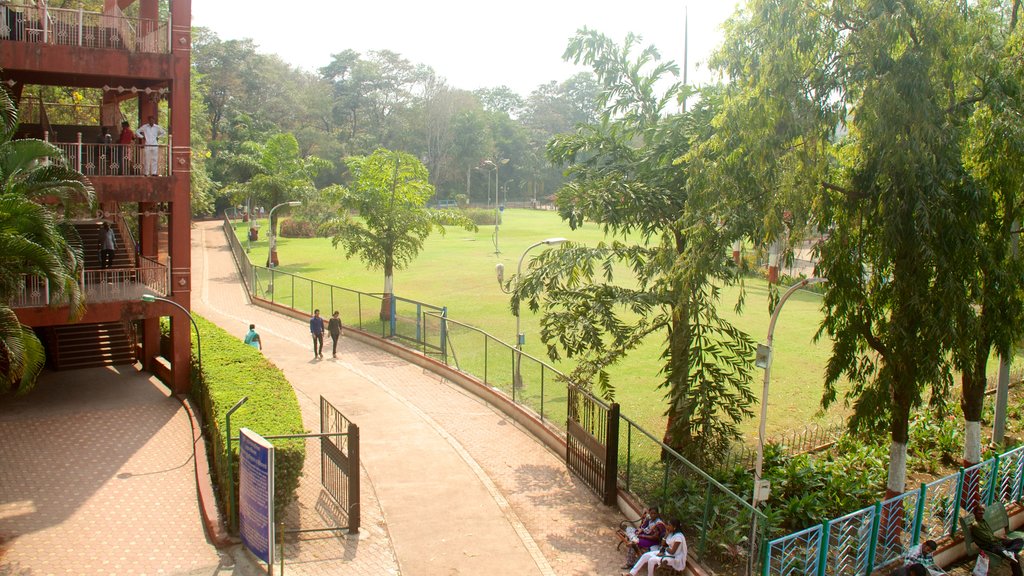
{"x":876,"y":537}
{"x":114,"y":159}
{"x":77,"y":27}
{"x":717,"y":521}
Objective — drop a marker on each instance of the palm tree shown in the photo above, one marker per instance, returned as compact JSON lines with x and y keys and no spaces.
{"x":36,"y":239}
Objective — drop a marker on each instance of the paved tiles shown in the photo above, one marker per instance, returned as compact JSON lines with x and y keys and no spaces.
{"x":97,"y":477}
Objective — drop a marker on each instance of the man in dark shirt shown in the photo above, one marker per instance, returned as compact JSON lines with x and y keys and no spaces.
{"x":986,"y":539}
{"x":316,"y":329}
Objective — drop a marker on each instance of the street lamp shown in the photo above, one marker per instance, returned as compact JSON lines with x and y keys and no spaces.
{"x":517,"y":377}
{"x":149,"y":299}
{"x":764,"y":360}
{"x":494,"y":165}
{"x":272,"y":257}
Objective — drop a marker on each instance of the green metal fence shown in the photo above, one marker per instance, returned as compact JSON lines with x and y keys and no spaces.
{"x":877,"y":536}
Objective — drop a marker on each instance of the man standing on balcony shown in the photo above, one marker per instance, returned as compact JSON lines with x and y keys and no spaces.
{"x":150,"y":134}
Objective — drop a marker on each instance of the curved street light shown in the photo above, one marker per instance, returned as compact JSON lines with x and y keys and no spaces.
{"x":272,"y":256}
{"x":764,"y":360}
{"x":517,"y":377}
{"x":150,"y":298}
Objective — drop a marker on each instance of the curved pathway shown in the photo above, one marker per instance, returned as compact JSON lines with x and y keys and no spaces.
{"x":450,"y":485}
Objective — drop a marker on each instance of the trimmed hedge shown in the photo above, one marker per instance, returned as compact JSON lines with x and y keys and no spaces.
{"x":232,"y":370}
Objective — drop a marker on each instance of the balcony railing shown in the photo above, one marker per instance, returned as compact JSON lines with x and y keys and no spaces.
{"x":115,"y":159}
{"x":107,"y":285}
{"x":77,"y":27}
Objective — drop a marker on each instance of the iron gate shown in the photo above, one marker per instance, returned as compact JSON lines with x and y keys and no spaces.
{"x":339,"y":460}
{"x":592,"y":443}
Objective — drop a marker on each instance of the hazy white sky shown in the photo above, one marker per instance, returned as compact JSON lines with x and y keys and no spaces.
{"x":472,"y":44}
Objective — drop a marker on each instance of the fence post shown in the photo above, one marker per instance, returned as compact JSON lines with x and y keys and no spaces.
{"x":704,"y":521}
{"x":394,"y":308}
{"x":1020,"y":482}
{"x":611,"y":464}
{"x":292,"y":276}
{"x":826,"y":534}
{"x":81,"y":17}
{"x":956,"y":503}
{"x":419,"y":336}
{"x":875,"y":523}
{"x":993,"y":481}
{"x":353,"y":481}
{"x":919,"y":518}
{"x":444,"y":338}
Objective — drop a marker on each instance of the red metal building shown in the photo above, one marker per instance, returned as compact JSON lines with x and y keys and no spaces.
{"x":133,"y":57}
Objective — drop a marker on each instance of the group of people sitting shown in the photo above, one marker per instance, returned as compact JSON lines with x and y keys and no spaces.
{"x":654,"y":542}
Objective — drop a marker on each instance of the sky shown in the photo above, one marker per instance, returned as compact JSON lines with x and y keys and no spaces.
{"x":471,"y":44}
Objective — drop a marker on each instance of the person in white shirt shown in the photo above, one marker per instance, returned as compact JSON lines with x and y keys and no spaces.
{"x":150,"y":134}
{"x":672,"y":552}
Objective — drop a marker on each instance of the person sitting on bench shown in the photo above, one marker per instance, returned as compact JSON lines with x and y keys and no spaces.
{"x":986,"y":539}
{"x":671,"y":553}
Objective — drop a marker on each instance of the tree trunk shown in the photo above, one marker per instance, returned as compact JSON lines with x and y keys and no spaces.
{"x":385,"y":301}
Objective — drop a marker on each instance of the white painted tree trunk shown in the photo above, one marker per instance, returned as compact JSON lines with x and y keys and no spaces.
{"x":389,"y":284}
{"x":897,"y":481}
{"x":972,"y":442}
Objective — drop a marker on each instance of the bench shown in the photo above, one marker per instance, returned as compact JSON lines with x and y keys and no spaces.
{"x":995,"y":515}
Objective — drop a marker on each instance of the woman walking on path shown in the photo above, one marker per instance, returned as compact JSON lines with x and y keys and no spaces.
{"x":334,"y":328}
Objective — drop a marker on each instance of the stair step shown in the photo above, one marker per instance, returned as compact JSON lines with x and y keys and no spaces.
{"x":91,"y":345}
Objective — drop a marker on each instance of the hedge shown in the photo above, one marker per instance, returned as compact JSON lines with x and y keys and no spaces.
{"x":231,"y":370}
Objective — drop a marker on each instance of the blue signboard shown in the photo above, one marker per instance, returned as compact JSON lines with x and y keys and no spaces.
{"x":256,"y":494}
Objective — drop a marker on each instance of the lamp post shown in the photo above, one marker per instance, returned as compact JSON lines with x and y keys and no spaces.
{"x":149,"y":299}
{"x":517,"y":377}
{"x":272,"y":257}
{"x":764,"y":360}
{"x":494,"y":165}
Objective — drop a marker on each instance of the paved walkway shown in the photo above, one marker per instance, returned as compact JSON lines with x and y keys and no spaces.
{"x":450,"y":485}
{"x":97,"y":477}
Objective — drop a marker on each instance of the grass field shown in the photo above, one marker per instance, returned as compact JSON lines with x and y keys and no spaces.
{"x":457,"y":270}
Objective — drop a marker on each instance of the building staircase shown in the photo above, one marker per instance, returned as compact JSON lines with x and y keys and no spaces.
{"x":89,"y":231}
{"x":75,"y":346}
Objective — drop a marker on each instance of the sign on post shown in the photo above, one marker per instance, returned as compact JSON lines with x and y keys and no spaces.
{"x":256,"y":494}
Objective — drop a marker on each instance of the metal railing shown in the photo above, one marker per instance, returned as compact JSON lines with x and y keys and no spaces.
{"x":114,"y":159}
{"x":718,"y":520}
{"x":78,"y":27}
{"x":877,"y":536}
{"x":98,"y":285}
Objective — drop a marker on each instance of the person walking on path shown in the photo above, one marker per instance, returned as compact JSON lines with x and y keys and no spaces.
{"x":150,"y":134}
{"x":252,"y":338}
{"x":108,"y":244}
{"x":334,"y":328}
{"x":316,"y":329}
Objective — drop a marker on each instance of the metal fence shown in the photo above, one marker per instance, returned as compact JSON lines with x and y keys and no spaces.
{"x":724,"y":531}
{"x":878,"y":536}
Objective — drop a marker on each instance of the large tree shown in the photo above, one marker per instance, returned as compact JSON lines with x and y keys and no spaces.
{"x":866,"y":104}
{"x":625,"y":173}
{"x":990,"y":317}
{"x":36,"y":239}
{"x":389,"y":194}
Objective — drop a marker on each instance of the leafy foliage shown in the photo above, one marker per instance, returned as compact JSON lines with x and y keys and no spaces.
{"x":625,"y":173}
{"x":36,"y":239}
{"x":389,"y":192}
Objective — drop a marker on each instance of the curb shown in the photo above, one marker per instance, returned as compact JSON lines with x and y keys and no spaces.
{"x":213,"y":523}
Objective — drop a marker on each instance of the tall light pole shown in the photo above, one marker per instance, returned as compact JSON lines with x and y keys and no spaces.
{"x":517,"y":377}
{"x":494,"y":165}
{"x":764,"y":360}
{"x":150,"y":298}
{"x":272,"y":257}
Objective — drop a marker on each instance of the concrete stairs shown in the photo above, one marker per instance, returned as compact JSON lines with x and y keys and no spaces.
{"x":75,"y":346}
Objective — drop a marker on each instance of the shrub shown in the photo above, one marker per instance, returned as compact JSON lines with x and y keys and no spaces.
{"x":232,"y":370}
{"x":480,"y":216}
{"x":292,"y":228}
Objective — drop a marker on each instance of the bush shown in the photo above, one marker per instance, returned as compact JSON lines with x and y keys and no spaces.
{"x":292,"y":228}
{"x":480,"y":216}
{"x":232,"y":370}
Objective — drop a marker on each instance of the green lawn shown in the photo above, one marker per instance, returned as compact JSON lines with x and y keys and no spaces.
{"x":457,"y":270}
